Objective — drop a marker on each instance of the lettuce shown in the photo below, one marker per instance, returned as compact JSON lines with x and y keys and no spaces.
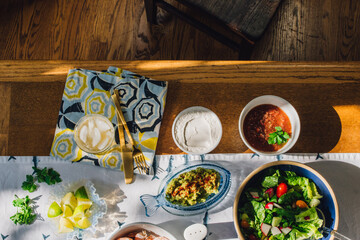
{"x":309,"y":230}
{"x":259,"y":210}
{"x":308,"y":215}
{"x":289,"y":197}
{"x":309,"y":188}
{"x":286,"y":213}
{"x":270,"y":181}
{"x":314,"y":191}
{"x":280,"y":236}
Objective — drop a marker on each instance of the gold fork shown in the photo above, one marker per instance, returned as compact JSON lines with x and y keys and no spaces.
{"x":138,"y":156}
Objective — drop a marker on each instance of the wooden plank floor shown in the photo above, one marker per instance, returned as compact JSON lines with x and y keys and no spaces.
{"x":117,"y":30}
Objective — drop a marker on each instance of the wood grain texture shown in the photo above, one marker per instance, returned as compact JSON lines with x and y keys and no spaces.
{"x":312,"y":31}
{"x":118,"y":30}
{"x":249,"y":17}
{"x":326,"y":96}
{"x":5,"y":96}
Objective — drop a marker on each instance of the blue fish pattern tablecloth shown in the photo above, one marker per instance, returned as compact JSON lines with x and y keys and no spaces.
{"x":89,"y":92}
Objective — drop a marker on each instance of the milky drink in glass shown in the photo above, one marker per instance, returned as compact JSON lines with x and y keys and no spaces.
{"x":94,"y":133}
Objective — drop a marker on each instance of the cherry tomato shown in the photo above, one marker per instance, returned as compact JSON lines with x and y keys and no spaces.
{"x":301,"y":204}
{"x":281,"y":189}
{"x":244,"y":224}
{"x":252,"y":237}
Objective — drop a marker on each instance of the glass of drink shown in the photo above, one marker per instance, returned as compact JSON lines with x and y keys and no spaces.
{"x":94,"y":133}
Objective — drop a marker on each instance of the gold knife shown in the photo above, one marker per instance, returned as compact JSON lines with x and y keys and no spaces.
{"x":125,"y":152}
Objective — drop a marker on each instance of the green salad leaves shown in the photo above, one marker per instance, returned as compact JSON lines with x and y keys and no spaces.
{"x":281,"y":206}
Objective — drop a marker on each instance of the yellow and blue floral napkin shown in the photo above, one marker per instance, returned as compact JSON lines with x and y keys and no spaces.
{"x":89,"y":92}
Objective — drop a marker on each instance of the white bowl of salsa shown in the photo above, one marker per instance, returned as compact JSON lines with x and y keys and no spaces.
{"x":259,"y":124}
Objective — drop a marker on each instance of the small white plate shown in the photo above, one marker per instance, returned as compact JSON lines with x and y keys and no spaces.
{"x":286,"y":107}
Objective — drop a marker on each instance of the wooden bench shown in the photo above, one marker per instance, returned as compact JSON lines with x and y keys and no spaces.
{"x":246,"y":18}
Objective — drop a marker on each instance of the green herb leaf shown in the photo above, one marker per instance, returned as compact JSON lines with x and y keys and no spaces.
{"x":29,"y":184}
{"x":278,"y":137}
{"x":24,"y":213}
{"x":50,"y":176}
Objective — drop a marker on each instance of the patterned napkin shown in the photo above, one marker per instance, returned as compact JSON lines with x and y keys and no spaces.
{"x":89,"y":92}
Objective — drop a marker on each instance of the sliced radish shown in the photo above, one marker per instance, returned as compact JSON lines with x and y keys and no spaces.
{"x":286,"y":230}
{"x":277,"y":205}
{"x":269,"y":205}
{"x":270,"y":192}
{"x":275,"y":231}
{"x":254,"y":194}
{"x":265,"y":228}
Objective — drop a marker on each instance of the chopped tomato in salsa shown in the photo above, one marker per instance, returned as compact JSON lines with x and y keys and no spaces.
{"x":260,"y":122}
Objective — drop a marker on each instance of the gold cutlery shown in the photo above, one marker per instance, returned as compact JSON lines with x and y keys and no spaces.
{"x":125,"y":152}
{"x":138,"y":156}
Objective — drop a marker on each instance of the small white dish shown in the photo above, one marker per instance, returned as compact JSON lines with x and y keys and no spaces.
{"x":196,"y":231}
{"x":216,"y":129}
{"x":289,"y":111}
{"x":141,"y":225}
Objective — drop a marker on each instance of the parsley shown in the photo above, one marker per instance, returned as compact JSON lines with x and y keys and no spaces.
{"x":29,"y":184}
{"x":50,"y":176}
{"x":24,"y":214}
{"x":278,"y":137}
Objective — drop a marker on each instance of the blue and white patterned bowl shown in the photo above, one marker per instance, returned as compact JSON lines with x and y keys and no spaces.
{"x":328,"y":203}
{"x":152,"y":203}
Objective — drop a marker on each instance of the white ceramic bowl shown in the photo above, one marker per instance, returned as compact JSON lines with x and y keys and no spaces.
{"x":286,"y":107}
{"x":141,"y":225}
{"x":197,"y":109}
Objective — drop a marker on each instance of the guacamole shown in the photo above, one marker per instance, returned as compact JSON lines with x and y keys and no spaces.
{"x":193,"y":187}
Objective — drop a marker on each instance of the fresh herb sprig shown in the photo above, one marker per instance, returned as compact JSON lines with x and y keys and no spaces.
{"x":49,"y":176}
{"x":24,"y":214}
{"x":29,"y":184}
{"x":278,"y":137}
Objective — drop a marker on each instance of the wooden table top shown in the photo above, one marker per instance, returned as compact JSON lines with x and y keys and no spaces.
{"x":326,"y":96}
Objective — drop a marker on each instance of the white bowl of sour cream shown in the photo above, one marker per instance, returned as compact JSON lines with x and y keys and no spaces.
{"x":197,"y":130}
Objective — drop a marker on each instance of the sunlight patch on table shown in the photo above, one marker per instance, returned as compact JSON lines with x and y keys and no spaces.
{"x":350,"y":133}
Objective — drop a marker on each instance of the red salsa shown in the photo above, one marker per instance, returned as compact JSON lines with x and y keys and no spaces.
{"x":260,"y":122}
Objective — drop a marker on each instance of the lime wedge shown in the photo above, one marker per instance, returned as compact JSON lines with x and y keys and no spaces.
{"x":85,"y":202}
{"x":69,"y":199}
{"x":68,"y":212}
{"x":83,"y":223}
{"x":65,"y":226}
{"x":54,"y":210}
{"x":81,"y":193}
{"x":79,"y":213}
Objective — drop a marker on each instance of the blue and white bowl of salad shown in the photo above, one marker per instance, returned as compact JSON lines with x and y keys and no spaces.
{"x":285,"y":200}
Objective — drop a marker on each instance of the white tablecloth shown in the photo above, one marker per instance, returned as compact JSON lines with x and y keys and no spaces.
{"x":341,"y":170}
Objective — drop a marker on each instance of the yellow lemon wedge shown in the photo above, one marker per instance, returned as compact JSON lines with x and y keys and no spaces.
{"x":87,"y":213}
{"x":72,"y":220}
{"x":54,"y":210}
{"x":79,"y":213}
{"x":69,"y":199}
{"x":84,"y":202}
{"x":65,"y":226}
{"x":68,"y":212}
{"x":83,"y":223}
